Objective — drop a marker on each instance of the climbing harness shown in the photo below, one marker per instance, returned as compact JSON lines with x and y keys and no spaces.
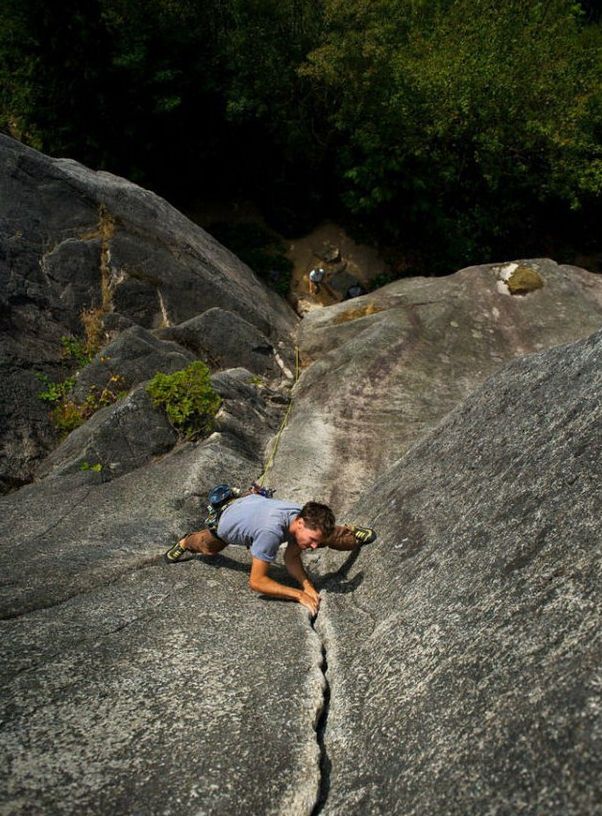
{"x":222,"y":495}
{"x":219,"y":498}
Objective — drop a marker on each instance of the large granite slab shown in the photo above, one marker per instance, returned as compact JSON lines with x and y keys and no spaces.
{"x":381,"y":370}
{"x":133,"y":686}
{"x":464,"y":646}
{"x":74,"y":240}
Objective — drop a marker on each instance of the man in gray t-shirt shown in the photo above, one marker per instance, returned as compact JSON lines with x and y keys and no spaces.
{"x":259,"y":524}
{"x":262,"y":525}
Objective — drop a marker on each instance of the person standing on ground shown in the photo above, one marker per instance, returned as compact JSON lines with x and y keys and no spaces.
{"x":316,"y":276}
{"x":262,"y":525}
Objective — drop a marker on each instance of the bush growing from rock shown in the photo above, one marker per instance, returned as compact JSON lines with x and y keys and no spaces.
{"x":188,"y":399}
{"x":67,"y":413}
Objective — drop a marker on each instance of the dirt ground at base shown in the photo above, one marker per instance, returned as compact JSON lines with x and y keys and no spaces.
{"x":360,"y":261}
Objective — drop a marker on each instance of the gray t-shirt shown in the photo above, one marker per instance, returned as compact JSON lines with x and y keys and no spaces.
{"x":258,"y":523}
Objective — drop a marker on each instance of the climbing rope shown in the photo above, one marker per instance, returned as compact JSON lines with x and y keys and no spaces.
{"x":283,"y":424}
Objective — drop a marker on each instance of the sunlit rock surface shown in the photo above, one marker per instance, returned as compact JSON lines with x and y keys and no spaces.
{"x":134,"y":686}
{"x":464,"y":645}
{"x":380,"y":370}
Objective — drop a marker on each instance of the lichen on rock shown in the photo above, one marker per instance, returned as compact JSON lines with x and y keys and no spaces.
{"x":519,"y":279}
{"x":360,"y":311}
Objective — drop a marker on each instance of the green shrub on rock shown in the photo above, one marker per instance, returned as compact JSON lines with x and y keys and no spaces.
{"x":188,"y":399}
{"x":68,"y":414}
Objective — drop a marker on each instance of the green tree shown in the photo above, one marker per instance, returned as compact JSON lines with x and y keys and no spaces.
{"x":462,"y":121}
{"x":165,"y":92}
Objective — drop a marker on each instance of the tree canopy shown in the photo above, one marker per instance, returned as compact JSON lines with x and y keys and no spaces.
{"x":457,"y":128}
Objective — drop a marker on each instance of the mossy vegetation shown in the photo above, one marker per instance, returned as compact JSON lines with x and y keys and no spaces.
{"x":96,"y":468}
{"x":188,"y":399}
{"x":523,"y":280}
{"x":67,"y":414}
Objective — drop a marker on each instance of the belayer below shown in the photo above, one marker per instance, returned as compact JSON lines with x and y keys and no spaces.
{"x":262,"y":524}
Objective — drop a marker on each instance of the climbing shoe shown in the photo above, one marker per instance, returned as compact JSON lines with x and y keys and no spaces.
{"x":175,"y":553}
{"x":363,"y":535}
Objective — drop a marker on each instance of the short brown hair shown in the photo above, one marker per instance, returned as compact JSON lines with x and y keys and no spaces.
{"x":318,"y":517}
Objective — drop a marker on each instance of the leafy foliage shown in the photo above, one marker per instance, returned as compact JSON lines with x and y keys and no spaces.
{"x":463,"y":120}
{"x":188,"y":399}
{"x":76,"y":349}
{"x":260,"y":249}
{"x":96,"y":468}
{"x":67,"y":413}
{"x":460,"y":128}
{"x":54,"y":392}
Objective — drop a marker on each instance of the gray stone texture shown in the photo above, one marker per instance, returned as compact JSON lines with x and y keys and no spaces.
{"x":129,"y":433}
{"x":133,"y":686}
{"x":73,"y":239}
{"x":225,"y":340}
{"x":464,"y":645}
{"x":118,"y":438}
{"x":381,"y":370}
{"x":134,"y":356}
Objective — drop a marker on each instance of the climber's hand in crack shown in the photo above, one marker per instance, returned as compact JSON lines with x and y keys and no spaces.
{"x":310,"y":590}
{"x":311,"y":603}
{"x":260,"y":581}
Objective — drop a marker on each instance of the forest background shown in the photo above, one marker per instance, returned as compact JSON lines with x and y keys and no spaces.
{"x":465,"y":131}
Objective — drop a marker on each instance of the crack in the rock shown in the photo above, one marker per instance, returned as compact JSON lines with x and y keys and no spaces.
{"x":55,"y":524}
{"x":153,"y":561}
{"x":325,"y":764}
{"x":320,"y":728}
{"x":145,"y":618}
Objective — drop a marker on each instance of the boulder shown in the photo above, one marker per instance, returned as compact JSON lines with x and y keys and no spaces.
{"x":225,"y":340}
{"x":340,"y":283}
{"x":464,"y":645}
{"x":328,"y":252}
{"x":71,"y":240}
{"x":116,"y":439}
{"x":380,"y":371}
{"x":128,"y":434}
{"x":135,"y":356}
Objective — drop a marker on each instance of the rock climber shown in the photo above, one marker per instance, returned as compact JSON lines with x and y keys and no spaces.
{"x":262,"y":524}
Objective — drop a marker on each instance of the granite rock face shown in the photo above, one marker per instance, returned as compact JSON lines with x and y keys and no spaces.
{"x":72,"y":240}
{"x":464,"y":645}
{"x":226,"y":340}
{"x":462,"y":649}
{"x":383,"y":369}
{"x":135,"y":356}
{"x":133,"y":686}
{"x":115,"y":440}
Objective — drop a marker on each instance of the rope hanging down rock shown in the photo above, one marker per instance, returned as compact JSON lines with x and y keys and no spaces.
{"x":283,"y":424}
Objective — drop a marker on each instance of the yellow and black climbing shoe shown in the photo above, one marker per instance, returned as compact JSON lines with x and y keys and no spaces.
{"x":175,"y":553}
{"x":363,"y":535}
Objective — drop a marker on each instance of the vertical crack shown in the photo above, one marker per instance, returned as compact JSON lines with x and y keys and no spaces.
{"x":325,"y":763}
